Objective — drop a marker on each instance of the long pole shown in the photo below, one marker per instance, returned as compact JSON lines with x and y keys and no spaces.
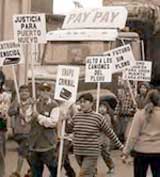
{"x":34,"y":56}
{"x":15,"y":83}
{"x":61,"y":149}
{"x":98,"y":96}
{"x":129,"y":86}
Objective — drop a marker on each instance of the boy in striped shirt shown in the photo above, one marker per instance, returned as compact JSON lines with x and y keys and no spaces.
{"x":87,"y":126}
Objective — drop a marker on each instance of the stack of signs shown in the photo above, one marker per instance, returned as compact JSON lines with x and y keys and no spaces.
{"x":141,"y":71}
{"x":10,"y":53}
{"x":67,"y":83}
{"x":122,"y":58}
{"x":98,"y":69}
{"x":29,"y":28}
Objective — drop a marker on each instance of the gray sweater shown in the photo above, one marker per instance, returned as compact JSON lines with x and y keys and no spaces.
{"x":144,"y":136}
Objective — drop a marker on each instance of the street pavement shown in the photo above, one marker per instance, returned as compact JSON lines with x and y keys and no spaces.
{"x":121,"y":170}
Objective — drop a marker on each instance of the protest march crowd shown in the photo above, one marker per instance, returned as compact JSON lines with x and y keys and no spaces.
{"x":49,"y":124}
{"x":37,"y":125}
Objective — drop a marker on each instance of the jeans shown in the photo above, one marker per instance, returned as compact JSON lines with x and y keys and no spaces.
{"x":87,"y":165}
{"x":39,"y":159}
{"x":66,"y":163}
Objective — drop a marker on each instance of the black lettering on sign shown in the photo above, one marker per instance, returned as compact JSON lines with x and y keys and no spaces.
{"x":66,"y":82}
{"x":67,"y":72}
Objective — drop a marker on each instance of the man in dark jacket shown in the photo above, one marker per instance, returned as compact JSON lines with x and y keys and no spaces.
{"x":43,"y":138}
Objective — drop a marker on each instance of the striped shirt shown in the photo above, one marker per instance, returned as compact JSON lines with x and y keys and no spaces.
{"x":87,"y":129}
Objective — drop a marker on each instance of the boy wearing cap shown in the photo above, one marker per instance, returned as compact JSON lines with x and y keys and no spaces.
{"x":87,"y":126}
{"x":43,"y":137}
{"x":21,"y":114}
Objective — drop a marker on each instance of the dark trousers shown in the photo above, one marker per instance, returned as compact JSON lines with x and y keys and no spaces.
{"x":143,"y":161}
{"x":39,"y":159}
{"x":107,"y":156}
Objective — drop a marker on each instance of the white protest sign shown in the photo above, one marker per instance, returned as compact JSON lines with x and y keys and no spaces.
{"x":83,"y":35}
{"x":10,"y":53}
{"x":67,"y":83}
{"x":122,"y":58}
{"x":141,"y":71}
{"x":98,"y":69}
{"x":106,"y":17}
{"x":29,"y":28}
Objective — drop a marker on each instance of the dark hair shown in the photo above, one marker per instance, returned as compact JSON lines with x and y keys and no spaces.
{"x":22,"y":87}
{"x":152,"y":99}
{"x":145,"y":84}
{"x":86,"y":96}
{"x":2,"y":77}
{"x":107,"y":105}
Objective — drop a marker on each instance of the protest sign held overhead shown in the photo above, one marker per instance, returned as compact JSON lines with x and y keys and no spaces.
{"x":10,"y":53}
{"x":98,"y":69}
{"x":141,"y":71}
{"x":106,"y":17}
{"x":29,"y":28}
{"x":67,"y":83}
{"x":122,"y":58}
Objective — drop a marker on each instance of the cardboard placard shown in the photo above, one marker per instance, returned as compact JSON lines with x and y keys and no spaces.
{"x":122,"y":58}
{"x":29,"y":28}
{"x":10,"y":53}
{"x":83,"y":35}
{"x":98,"y":69}
{"x":106,"y":17}
{"x":67,"y":83}
{"x":141,"y":71}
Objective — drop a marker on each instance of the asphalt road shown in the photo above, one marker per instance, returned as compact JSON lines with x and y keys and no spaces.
{"x":122,"y":170}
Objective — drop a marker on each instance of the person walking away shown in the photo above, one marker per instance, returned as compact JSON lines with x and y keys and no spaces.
{"x":86,"y":126}
{"x":144,"y":137}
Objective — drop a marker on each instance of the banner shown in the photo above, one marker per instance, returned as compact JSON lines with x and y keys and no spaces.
{"x":106,"y":17}
{"x":141,"y":71}
{"x":67,"y":83}
{"x":122,"y":58}
{"x":10,"y":53}
{"x":29,"y":28}
{"x":98,"y":69}
{"x":83,"y":35}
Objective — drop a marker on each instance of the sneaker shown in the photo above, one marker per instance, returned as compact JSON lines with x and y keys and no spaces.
{"x":111,"y":171}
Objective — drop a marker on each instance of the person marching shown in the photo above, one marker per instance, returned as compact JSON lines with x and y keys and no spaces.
{"x":21,"y":115}
{"x":43,"y":137}
{"x":86,"y":127}
{"x":144,"y":137}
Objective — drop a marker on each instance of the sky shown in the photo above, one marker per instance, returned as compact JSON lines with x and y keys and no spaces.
{"x":64,"y":6}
